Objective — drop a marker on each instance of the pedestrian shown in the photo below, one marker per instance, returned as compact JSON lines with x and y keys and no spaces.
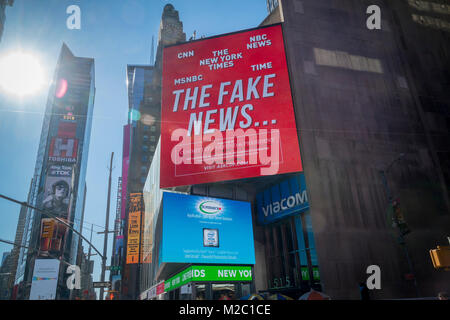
{"x":364,"y":291}
{"x":224,"y":296}
{"x":443,"y":295}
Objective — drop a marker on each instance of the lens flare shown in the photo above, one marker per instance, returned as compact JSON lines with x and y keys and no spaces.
{"x":21,"y":74}
{"x":62,"y":88}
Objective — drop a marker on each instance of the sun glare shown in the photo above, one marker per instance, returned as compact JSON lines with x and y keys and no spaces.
{"x":21,"y":74}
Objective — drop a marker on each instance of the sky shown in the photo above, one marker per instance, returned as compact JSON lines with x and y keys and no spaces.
{"x":115,"y":33}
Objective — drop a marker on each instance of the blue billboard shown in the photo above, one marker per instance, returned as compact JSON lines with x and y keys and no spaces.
{"x":281,"y":200}
{"x":198,"y":229}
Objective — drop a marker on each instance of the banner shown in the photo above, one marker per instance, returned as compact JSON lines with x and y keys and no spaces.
{"x":58,"y":190}
{"x":63,"y":150}
{"x":134,"y":228}
{"x":45,"y":279}
{"x":209,"y":273}
{"x":227,"y":110}
{"x":57,"y":201}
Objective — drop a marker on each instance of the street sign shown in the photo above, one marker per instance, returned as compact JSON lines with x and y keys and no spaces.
{"x":105,"y":284}
{"x":113,"y":268}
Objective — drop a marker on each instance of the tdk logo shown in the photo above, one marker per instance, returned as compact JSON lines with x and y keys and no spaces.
{"x":210,"y":207}
{"x":286,"y":203}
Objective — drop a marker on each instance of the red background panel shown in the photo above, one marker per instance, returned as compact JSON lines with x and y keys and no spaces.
{"x":261,"y":48}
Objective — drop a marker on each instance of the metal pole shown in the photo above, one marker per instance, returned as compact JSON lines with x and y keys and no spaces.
{"x":105,"y":245}
{"x":51,"y":216}
{"x":90,"y":245}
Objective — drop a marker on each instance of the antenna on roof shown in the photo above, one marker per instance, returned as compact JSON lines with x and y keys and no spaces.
{"x":152,"y":55}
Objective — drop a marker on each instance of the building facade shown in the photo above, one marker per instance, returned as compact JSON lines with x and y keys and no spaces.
{"x":59,"y":179}
{"x":357,"y":112}
{"x":144,"y":88}
{"x":371,"y":111}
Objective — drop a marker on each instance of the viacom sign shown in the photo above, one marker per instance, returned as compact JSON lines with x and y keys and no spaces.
{"x":282,"y":200}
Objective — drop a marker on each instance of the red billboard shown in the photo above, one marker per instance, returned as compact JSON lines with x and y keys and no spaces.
{"x":227,"y":109}
{"x":63,"y":150}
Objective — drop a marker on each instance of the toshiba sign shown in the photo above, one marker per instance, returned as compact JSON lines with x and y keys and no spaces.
{"x":227,"y":109}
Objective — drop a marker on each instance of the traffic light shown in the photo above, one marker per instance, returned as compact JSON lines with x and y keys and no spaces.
{"x":441,"y":257}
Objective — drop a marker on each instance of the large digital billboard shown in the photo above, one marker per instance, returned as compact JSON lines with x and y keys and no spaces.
{"x":57,"y":201}
{"x":227,"y":110}
{"x":45,"y":279}
{"x":198,"y":229}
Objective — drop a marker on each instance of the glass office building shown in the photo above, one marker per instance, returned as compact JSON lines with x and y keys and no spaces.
{"x":62,"y":159}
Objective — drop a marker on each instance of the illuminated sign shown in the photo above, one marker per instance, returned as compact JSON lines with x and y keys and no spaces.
{"x":282,"y":200}
{"x":227,"y":110}
{"x":199,"y":229}
{"x":63,"y":150}
{"x":45,"y":279}
{"x":134,"y":228}
{"x":209,"y":273}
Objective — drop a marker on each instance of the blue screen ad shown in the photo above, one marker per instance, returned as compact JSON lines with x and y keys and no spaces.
{"x":199,"y":229}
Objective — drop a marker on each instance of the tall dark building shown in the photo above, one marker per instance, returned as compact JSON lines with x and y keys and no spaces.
{"x":143,"y":125}
{"x":368,"y":101}
{"x":59,"y":179}
{"x":5,"y":272}
{"x":371,"y":110}
{"x":144,"y":96}
{"x":3,"y":4}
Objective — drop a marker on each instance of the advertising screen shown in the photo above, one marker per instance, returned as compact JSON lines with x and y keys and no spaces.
{"x":281,"y":200}
{"x":63,"y":149}
{"x":58,"y":190}
{"x":134,"y":228}
{"x":45,"y":279}
{"x":206,"y":230}
{"x":227,"y":110}
{"x":57,"y":201}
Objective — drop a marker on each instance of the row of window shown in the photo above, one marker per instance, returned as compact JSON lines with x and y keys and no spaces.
{"x":430,"y":6}
{"x":149,"y":128}
{"x":291,"y":254}
{"x":345,"y":60}
{"x":146,"y":138}
{"x":432,"y":22}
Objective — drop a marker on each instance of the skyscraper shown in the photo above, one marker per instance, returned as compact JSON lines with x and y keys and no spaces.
{"x":371,"y":113}
{"x":144,"y":94}
{"x":3,"y":4}
{"x":60,"y":171}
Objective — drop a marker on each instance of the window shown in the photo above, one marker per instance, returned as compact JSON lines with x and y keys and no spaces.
{"x":291,"y":253}
{"x":345,"y":60}
{"x":152,"y":128}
